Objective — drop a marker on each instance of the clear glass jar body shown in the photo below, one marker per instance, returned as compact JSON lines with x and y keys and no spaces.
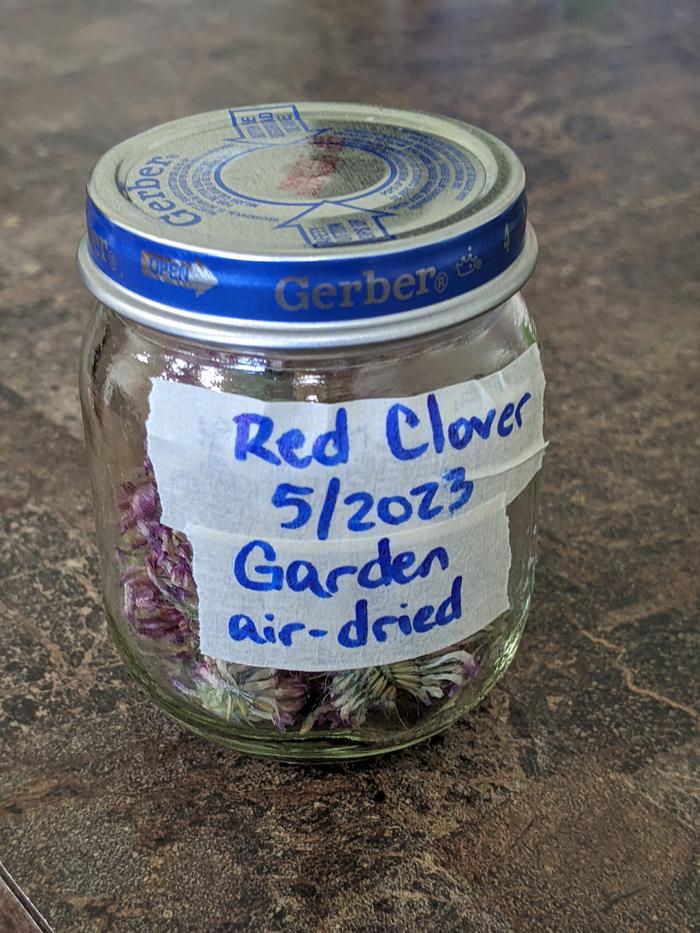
{"x":152,"y":611}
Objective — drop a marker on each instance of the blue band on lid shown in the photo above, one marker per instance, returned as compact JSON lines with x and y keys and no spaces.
{"x":315,"y":291}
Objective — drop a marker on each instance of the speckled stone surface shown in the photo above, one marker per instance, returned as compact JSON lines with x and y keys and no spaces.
{"x":568,"y":801}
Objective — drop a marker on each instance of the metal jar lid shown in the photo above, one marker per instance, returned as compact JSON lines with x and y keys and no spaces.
{"x":306,"y":225}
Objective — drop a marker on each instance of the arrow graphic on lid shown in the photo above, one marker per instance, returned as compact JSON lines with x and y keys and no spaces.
{"x":328,"y":215}
{"x":179,"y":272}
{"x":200,"y":278}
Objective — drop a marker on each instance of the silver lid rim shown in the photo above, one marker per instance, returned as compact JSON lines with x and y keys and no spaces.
{"x":245,"y":333}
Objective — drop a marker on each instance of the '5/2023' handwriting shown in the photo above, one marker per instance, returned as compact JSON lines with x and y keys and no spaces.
{"x":360,"y":511}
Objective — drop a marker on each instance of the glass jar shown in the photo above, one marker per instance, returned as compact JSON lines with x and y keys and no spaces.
{"x":317,"y":537}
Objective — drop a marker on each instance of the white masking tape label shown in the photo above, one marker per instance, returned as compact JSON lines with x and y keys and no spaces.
{"x":334,"y":536}
{"x":323,"y":606}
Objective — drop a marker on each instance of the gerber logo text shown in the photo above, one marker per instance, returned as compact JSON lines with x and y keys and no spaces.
{"x":294,"y":293}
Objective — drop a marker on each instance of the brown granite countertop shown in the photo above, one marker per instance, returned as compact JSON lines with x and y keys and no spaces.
{"x":568,"y":800}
